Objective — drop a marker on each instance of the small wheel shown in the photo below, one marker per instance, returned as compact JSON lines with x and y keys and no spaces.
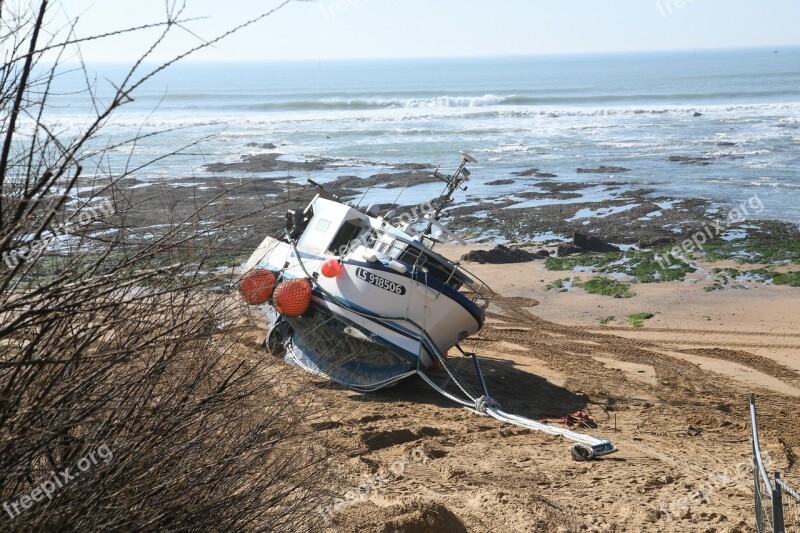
{"x":276,"y":338}
{"x":581,"y":452}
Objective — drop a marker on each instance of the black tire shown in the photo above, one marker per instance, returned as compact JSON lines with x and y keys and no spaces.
{"x":276,"y":339}
{"x":581,"y":453}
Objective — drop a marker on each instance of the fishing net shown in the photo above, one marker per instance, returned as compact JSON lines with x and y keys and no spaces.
{"x":342,"y":352}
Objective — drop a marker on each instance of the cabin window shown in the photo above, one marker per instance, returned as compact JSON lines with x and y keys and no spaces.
{"x":296,"y":222}
{"x":394,"y":249}
{"x":443,"y":273}
{"x":349,"y":232}
{"x":323,"y":225}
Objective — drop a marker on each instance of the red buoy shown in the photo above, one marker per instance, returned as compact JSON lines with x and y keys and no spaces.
{"x":257,"y":286}
{"x":293,"y":297}
{"x":331,"y":268}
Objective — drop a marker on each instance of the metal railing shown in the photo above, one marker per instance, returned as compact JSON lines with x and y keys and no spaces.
{"x":777,"y":505}
{"x":791,"y":509}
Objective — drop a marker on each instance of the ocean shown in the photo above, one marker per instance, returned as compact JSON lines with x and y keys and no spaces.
{"x":554,"y":113}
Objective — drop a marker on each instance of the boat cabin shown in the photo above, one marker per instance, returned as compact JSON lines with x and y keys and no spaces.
{"x":329,"y":228}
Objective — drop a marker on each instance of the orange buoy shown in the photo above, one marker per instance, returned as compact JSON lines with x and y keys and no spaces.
{"x":293,"y":297}
{"x":331,"y":268}
{"x":257,"y":286}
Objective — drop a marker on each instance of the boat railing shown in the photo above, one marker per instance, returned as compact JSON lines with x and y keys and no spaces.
{"x":478,"y":291}
{"x":417,"y":256}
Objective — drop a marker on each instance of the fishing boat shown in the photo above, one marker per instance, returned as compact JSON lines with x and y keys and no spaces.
{"x":364,"y":300}
{"x":382,"y":303}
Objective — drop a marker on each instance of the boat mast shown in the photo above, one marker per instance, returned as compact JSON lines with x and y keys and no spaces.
{"x":454,"y":183}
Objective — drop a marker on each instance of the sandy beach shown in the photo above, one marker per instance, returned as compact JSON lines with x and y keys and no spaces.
{"x":546,"y":355}
{"x":672,"y":394}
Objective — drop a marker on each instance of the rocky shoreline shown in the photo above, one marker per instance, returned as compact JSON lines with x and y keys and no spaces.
{"x":547,"y":211}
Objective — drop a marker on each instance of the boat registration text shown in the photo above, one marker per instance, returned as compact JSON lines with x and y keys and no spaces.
{"x":381,"y":283}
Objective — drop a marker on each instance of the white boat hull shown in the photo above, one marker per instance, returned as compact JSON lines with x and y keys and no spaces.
{"x":392,"y":306}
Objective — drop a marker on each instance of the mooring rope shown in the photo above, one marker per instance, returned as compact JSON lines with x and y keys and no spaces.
{"x":587,"y":446}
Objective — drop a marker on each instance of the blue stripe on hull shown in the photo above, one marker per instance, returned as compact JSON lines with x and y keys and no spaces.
{"x":430,"y":282}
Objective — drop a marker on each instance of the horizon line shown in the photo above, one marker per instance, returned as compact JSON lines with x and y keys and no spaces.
{"x":777,"y":47}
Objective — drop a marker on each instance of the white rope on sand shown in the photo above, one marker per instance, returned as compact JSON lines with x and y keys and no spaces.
{"x":589,"y":446}
{"x":586,"y":447}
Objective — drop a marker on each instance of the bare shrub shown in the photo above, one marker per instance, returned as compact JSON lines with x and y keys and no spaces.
{"x":127,"y":342}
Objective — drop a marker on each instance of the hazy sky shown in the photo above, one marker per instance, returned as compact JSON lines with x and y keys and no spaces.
{"x":328,"y":29}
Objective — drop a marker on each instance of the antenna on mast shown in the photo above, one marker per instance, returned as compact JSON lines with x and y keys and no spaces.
{"x":468,"y":158}
{"x":450,"y":147}
{"x":454,"y":183}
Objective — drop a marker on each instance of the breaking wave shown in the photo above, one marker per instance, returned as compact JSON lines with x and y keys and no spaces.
{"x":493,"y":100}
